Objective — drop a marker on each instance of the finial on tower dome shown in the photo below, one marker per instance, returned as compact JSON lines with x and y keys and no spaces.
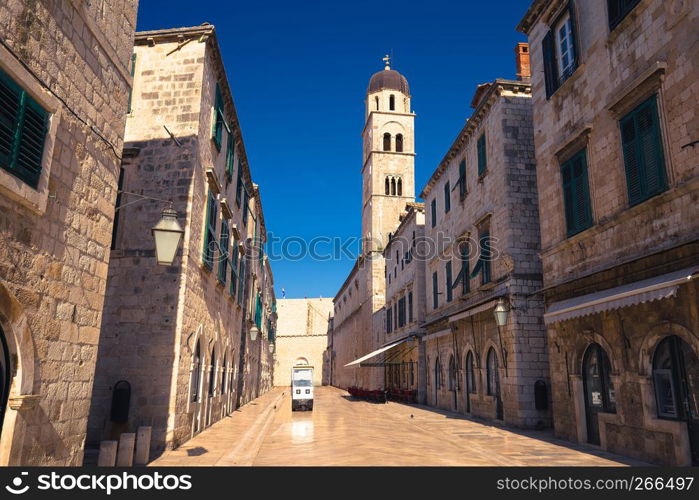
{"x":387,"y":60}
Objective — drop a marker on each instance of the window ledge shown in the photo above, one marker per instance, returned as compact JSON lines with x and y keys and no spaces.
{"x":564,"y":88}
{"x":488,"y":286}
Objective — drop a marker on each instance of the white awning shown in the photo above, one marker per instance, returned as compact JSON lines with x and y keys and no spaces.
{"x":473,"y":310}
{"x":656,"y":288}
{"x":378,"y":351}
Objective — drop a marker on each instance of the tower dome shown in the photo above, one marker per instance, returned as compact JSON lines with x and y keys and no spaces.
{"x":388,"y":79}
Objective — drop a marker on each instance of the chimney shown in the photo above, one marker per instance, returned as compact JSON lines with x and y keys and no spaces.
{"x":524,"y":72}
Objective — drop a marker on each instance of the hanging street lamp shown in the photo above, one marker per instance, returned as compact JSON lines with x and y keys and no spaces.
{"x":500,"y":313}
{"x":167,"y":234}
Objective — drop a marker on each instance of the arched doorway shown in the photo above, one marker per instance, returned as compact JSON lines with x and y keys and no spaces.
{"x":676,"y":384}
{"x":437,"y":380}
{"x":598,"y":388}
{"x":493,"y":375}
{"x":4,"y":376}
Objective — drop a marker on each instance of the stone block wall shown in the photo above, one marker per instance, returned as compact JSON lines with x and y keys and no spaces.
{"x":53,"y":258}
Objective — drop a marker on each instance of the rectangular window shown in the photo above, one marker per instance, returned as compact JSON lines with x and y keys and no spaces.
{"x":219,"y":117}
{"x":401,"y":312}
{"x":395,"y":315}
{"x":618,"y":10}
{"x":230,"y":155}
{"x":486,"y":256}
{"x":210,"y":232}
{"x":465,"y":274}
{"x":23,"y":129}
{"x":462,"y":179}
{"x":239,"y":184}
{"x":223,"y":252}
{"x":433,"y":210}
{"x":410,"y":307}
{"x":241,"y":280}
{"x":234,"y":268}
{"x":447,"y":198}
{"x":482,"y":158}
{"x":388,"y":320}
{"x":576,"y":194}
{"x":450,"y":295}
{"x":133,"y":72}
{"x":644,"y":160}
{"x":560,"y":51}
{"x":435,"y":291}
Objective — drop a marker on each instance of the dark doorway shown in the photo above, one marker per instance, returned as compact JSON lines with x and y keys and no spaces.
{"x":598,"y":388}
{"x":676,"y":383}
{"x":470,"y":381}
{"x":4,"y":376}
{"x":493,"y":372}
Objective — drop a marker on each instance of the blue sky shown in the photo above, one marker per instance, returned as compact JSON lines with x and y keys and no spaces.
{"x":299,"y":72}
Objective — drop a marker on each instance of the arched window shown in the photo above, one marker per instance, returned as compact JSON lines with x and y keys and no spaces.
{"x":376,"y":99}
{"x":399,"y":143}
{"x":392,"y":102}
{"x":470,"y":374}
{"x":196,"y":372}
{"x":223,"y":375}
{"x":492,"y":372}
{"x":5,"y":372}
{"x":387,"y":142}
{"x":452,"y":374}
{"x":388,"y":186}
{"x":598,"y":388}
{"x":400,"y":187}
{"x":393,"y":186}
{"x":676,"y":379}
{"x":212,"y":373}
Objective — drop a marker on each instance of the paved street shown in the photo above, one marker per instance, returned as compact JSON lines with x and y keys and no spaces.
{"x":341,"y":431}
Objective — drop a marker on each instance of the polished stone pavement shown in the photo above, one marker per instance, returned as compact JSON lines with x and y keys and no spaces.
{"x":343,"y":431}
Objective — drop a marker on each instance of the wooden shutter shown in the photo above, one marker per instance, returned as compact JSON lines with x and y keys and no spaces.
{"x":576,"y":194}
{"x":482,"y":157}
{"x":433,"y":210}
{"x":229,"y":157}
{"x":223,"y":252}
{"x":218,"y":118}
{"x":10,"y":106}
{"x":447,"y":198}
{"x":450,"y":295}
{"x":462,"y":178}
{"x":234,"y":268}
{"x":548,"y":46}
{"x":435,"y":291}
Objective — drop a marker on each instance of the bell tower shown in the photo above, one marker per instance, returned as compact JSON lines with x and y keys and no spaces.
{"x":388,"y":169}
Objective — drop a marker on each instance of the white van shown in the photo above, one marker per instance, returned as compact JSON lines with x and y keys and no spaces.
{"x":302,"y":387}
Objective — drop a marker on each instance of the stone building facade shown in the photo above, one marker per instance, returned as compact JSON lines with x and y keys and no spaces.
{"x":404,"y":313}
{"x":180,"y":337}
{"x":483,"y":225}
{"x":615,"y":96}
{"x":302,"y":337}
{"x":64,"y":86}
{"x":388,"y":184}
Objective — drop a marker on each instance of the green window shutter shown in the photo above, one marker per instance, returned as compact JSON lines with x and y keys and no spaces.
{"x":450,"y":295}
{"x":223,"y":252}
{"x":618,"y":9}
{"x":482,"y":157}
{"x":435,"y":291}
{"x":210,"y":232}
{"x":447,"y":198}
{"x":258,"y":311}
{"x":217,"y":131}
{"x":241,"y":280}
{"x":642,"y":148}
{"x":246,"y":198}
{"x":239,"y":185}
{"x":465,"y":275}
{"x":462,"y":179}
{"x":23,"y":129}
{"x":576,"y":193}
{"x":548,"y":47}
{"x":229,"y":157}
{"x":485,"y":257}
{"x":234,"y":268}
{"x":433,"y":211}
{"x":133,"y":72}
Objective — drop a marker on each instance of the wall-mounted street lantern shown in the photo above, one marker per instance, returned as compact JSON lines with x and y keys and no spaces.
{"x":500,"y":313}
{"x":253,"y":332}
{"x":167,"y":234}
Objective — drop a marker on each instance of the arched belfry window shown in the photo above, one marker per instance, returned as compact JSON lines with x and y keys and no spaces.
{"x":400,"y":187}
{"x":388,"y":186}
{"x":392,"y":102}
{"x":387,"y":142}
{"x":376,"y":100}
{"x":399,"y":143}
{"x":196,"y":372}
{"x":393,"y":186}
